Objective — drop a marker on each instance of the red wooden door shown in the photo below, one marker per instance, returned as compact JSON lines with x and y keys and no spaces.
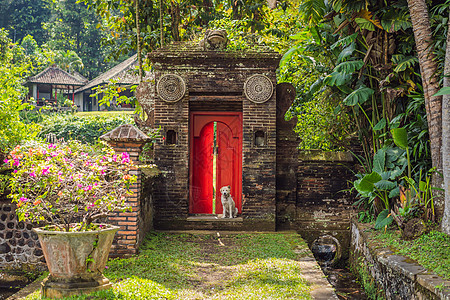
{"x":202,"y":177}
{"x":228,"y":165}
{"x":228,"y":162}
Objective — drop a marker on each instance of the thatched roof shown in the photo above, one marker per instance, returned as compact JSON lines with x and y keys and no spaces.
{"x":57,"y":76}
{"x":123,"y":73}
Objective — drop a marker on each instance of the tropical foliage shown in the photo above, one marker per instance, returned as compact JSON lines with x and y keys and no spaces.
{"x":12,"y":71}
{"x":86,"y":129}
{"x":354,"y":65}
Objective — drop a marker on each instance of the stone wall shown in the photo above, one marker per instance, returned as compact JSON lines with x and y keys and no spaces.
{"x":394,"y":276}
{"x":287,"y":159}
{"x":324,"y":207}
{"x":19,"y":246}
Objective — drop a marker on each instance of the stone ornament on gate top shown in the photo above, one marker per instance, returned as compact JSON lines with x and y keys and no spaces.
{"x":258,"y":88}
{"x":171,"y":88}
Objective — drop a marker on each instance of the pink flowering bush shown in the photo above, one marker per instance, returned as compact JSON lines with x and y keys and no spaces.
{"x":67,"y":186}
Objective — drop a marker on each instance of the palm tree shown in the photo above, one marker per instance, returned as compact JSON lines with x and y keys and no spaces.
{"x":68,"y":60}
{"x":428,"y":69}
{"x":446,"y":139}
{"x":437,"y":126}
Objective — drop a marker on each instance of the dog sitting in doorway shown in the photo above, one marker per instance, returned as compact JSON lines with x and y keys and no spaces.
{"x":229,"y":207}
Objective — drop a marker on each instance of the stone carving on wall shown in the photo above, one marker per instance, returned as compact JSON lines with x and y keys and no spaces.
{"x":214,"y":40}
{"x":258,"y":88}
{"x":145,"y":94}
{"x":171,"y":88}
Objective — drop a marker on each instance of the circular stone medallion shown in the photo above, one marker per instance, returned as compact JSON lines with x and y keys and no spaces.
{"x":258,"y":88}
{"x":171,"y":88}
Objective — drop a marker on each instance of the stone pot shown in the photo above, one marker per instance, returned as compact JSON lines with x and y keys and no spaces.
{"x":75,"y":261}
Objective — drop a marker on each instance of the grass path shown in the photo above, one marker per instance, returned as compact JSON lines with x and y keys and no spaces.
{"x":205,"y":266}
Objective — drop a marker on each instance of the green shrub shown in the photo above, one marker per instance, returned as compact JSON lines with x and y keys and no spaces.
{"x":12,"y":70}
{"x":319,"y":127}
{"x":86,"y":129}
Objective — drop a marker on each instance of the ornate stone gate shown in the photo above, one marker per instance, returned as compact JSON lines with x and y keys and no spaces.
{"x":191,"y":81}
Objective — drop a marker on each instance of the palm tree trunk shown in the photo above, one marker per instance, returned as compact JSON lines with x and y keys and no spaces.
{"x":446,"y":139}
{"x":175,"y":14}
{"x":428,"y":69}
{"x":138,"y":40}
{"x":161,"y":25}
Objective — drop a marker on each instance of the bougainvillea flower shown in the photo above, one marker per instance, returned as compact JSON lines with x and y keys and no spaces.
{"x":69,"y":179}
{"x":125,"y":157}
{"x":45,"y":170}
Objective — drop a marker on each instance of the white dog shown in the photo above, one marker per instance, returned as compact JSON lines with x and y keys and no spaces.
{"x":229,"y":207}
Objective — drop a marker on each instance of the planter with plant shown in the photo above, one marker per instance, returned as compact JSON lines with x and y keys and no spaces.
{"x":65,"y":188}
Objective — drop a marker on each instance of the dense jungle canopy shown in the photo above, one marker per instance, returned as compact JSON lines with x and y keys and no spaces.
{"x":366,"y":72}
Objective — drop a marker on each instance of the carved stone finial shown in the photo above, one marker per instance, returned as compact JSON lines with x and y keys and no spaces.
{"x":214,"y":40}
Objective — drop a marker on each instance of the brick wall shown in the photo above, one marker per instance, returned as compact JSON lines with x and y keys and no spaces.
{"x":171,"y":194}
{"x":322,"y":178}
{"x":259,"y":162}
{"x":323,"y":205}
{"x":133,"y":224}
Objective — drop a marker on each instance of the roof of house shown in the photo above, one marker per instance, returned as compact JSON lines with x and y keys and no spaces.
{"x":57,"y":76}
{"x":122,"y":73}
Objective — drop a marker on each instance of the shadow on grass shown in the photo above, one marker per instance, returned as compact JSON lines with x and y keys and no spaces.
{"x":188,"y":266}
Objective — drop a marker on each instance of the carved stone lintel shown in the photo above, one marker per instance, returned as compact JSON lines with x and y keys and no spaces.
{"x":145,"y":96}
{"x":285,"y":98}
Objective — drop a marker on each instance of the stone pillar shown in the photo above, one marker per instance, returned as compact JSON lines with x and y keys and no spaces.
{"x":287,"y":159}
{"x":127,"y":138}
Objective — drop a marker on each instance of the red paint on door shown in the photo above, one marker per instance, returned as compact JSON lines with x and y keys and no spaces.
{"x":202,"y":177}
{"x":228,"y":163}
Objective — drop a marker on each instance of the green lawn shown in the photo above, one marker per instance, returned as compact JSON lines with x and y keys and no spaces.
{"x":431,"y":250}
{"x":203,"y":266}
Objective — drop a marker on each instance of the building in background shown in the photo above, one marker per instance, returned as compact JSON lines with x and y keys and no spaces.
{"x":124,"y":75}
{"x":54,"y":85}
